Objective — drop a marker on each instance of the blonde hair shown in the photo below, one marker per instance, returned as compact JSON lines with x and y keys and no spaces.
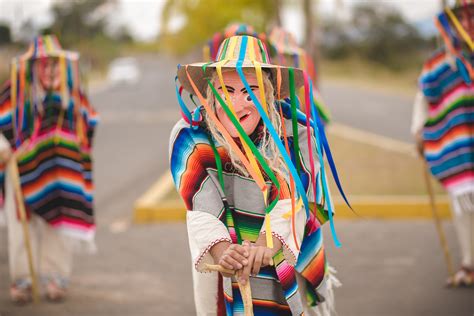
{"x":267,"y":146}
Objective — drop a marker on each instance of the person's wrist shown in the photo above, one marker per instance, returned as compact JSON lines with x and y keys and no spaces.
{"x":4,"y":156}
{"x":218,"y":250}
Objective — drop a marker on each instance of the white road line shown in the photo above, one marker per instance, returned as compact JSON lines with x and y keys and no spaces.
{"x":372,"y":139}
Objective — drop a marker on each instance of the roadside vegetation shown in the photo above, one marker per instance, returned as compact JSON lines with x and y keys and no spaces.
{"x":375,"y":46}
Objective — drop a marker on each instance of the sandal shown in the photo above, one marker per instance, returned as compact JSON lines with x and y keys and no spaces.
{"x":55,"y":293}
{"x":20,"y":294}
{"x":463,"y":278}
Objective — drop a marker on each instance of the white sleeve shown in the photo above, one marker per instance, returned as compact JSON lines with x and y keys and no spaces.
{"x":281,"y":229}
{"x":420,"y":113}
{"x":4,"y":145}
{"x":204,"y":231}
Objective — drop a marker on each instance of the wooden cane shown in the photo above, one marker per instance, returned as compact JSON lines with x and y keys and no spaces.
{"x":437,"y":220}
{"x":245,"y":290}
{"x":26,"y":234}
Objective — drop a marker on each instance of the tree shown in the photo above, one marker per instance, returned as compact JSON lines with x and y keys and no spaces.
{"x":378,"y":34}
{"x":5,"y":35}
{"x":202,"y":18}
{"x":383,"y":33}
{"x":123,"y":35}
{"x":78,"y":19}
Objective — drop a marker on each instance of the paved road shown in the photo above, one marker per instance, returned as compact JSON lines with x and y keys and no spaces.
{"x":387,"y":268}
{"x":381,"y":112}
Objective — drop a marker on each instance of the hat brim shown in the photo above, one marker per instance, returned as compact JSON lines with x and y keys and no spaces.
{"x":200,"y":76}
{"x":62,"y":53}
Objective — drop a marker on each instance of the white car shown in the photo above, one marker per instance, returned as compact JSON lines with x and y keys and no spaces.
{"x":123,"y":70}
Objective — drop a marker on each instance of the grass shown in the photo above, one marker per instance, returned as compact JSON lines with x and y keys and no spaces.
{"x":367,"y":170}
{"x":362,"y":72}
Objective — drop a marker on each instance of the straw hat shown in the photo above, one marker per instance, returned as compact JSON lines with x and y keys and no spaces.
{"x":283,"y":42}
{"x":46,"y":46}
{"x":239,"y":29}
{"x":247,"y":51}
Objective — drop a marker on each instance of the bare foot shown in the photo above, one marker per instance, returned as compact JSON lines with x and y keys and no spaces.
{"x":55,"y":293}
{"x":463,"y":278}
{"x":20,"y":295}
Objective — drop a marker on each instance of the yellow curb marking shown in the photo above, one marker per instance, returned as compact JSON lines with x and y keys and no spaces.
{"x":158,"y":191}
{"x":152,"y":207}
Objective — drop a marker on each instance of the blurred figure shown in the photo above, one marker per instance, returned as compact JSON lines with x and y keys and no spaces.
{"x":443,"y":124}
{"x":286,"y":52}
{"x":47,"y":126}
{"x":211,"y":48}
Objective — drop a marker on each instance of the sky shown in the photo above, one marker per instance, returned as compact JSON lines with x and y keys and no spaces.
{"x":143,"y":16}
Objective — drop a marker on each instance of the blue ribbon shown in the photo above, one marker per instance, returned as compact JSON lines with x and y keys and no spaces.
{"x":319,"y":146}
{"x":325,"y":143}
{"x":181,"y":103}
{"x":196,"y":116}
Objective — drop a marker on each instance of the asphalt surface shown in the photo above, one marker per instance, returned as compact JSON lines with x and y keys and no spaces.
{"x":387,"y":268}
{"x":379,"y":112}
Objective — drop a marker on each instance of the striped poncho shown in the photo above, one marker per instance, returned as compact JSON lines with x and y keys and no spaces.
{"x":230,"y":207}
{"x":449,"y":130}
{"x":55,"y":162}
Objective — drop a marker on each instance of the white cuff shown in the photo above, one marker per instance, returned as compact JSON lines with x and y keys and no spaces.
{"x":204,"y":231}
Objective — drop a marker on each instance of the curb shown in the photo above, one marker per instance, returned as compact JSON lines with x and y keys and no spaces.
{"x":152,"y":207}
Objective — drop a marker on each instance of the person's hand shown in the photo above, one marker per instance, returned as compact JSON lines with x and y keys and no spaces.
{"x":259,"y":256}
{"x":234,"y":258}
{"x":5,"y":155}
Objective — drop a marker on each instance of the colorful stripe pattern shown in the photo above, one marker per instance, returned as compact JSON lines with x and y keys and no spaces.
{"x":193,"y":163}
{"x":230,"y":50}
{"x":449,"y":131}
{"x":212,"y":47}
{"x":26,"y":99}
{"x":56,"y":167}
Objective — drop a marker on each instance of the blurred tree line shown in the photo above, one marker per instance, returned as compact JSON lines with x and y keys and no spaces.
{"x":376,"y":33}
{"x":202,"y":18}
{"x":5,"y":35}
{"x":80,"y":25}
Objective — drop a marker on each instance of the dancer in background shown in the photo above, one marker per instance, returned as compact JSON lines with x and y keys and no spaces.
{"x":47,"y":127}
{"x":443,"y":125}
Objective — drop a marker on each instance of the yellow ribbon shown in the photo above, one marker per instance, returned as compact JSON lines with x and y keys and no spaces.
{"x":206,"y":53}
{"x":231,"y":49}
{"x":47,"y":41}
{"x":299,"y":206}
{"x":13,"y":83}
{"x":460,"y":29}
{"x":62,"y":70}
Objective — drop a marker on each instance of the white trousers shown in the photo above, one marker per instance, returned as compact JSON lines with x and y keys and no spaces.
{"x":52,"y":257}
{"x":463,"y":218}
